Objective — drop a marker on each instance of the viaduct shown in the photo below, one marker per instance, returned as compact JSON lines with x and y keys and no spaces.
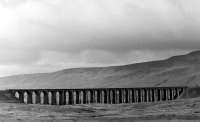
{"x":96,"y":95}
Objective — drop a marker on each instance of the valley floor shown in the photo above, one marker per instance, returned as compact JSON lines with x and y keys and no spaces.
{"x":187,"y":110}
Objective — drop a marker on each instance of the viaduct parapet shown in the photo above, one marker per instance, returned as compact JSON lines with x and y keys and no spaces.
{"x":96,"y":95}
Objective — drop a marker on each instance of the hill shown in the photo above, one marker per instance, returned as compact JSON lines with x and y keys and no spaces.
{"x":182,"y":70}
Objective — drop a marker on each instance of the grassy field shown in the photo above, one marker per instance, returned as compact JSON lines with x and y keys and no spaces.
{"x":187,"y":110}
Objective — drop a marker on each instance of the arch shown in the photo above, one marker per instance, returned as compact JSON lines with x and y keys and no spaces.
{"x":77,"y":96}
{"x":41,"y":97}
{"x":123,"y":96}
{"x":107,"y":94}
{"x":164,"y":94}
{"x":126,"y":95}
{"x":17,"y":94}
{"x":95,"y":96}
{"x":161,"y":94}
{"x":142,"y":97}
{"x":137,"y":96}
{"x":130,"y":96}
{"x":174,"y":93}
{"x":117,"y":98}
{"x":49,"y":98}
{"x":150,"y":95}
{"x":62,"y":97}
{"x":156,"y":94}
{"x":67,"y":97}
{"x":111,"y":97}
{"x":37,"y":97}
{"x":167,"y":94}
{"x":102,"y":97}
{"x":146,"y":95}
{"x":34,"y":97}
{"x":57,"y":98}
{"x":53,"y":98}
{"x":180,"y":91}
{"x":21,"y":96}
{"x":25,"y":97}
{"x":81,"y":97}
{"x":74,"y":97}
{"x":92,"y":96}
{"x":88,"y":100}
{"x":170,"y":93}
{"x":114,"y":96}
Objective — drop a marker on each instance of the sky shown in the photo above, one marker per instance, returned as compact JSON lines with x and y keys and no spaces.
{"x":49,"y":35}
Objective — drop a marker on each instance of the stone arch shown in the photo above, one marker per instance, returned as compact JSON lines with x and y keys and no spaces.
{"x":57,"y":98}
{"x":62,"y":97}
{"x":164,"y":94}
{"x":111,"y":97}
{"x":53,"y":98}
{"x":49,"y":98}
{"x":145,"y":95}
{"x":74,"y":95}
{"x":30,"y":97}
{"x":25,"y":97}
{"x":41,"y":97}
{"x":130,"y":96}
{"x":107,"y":96}
{"x":67,"y":98}
{"x":150,"y":95}
{"x":95,"y":96}
{"x":98,"y":96}
{"x":173,"y":93}
{"x":170,"y":94}
{"x":123,"y":95}
{"x":167,"y":94}
{"x":34,"y":97}
{"x":103,"y":97}
{"x":88,"y":100}
{"x":156,"y":94}
{"x":142,"y":97}
{"x":126,"y":95}
{"x":117,"y":97}
{"x":137,"y":95}
{"x":81,"y":97}
{"x":160,"y":94}
{"x":17,"y":94}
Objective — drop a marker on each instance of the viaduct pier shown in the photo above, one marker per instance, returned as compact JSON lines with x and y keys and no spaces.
{"x":96,"y":95}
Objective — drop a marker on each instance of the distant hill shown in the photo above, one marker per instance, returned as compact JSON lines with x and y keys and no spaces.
{"x":183,"y":70}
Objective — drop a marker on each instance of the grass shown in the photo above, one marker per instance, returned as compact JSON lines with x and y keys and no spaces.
{"x":187,"y":110}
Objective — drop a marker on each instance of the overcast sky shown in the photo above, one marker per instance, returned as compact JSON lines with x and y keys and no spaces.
{"x":48,"y":35}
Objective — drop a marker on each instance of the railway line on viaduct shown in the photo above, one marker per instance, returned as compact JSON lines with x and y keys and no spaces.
{"x":96,"y":95}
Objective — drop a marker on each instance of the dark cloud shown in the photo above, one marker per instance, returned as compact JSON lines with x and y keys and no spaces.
{"x":44,"y":35}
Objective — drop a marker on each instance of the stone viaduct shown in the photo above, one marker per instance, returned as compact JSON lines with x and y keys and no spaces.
{"x":96,"y":95}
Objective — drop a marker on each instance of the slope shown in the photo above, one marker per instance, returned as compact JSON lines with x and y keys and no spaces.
{"x":183,"y":70}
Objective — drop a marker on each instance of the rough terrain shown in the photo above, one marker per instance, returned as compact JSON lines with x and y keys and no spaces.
{"x":175,"y":111}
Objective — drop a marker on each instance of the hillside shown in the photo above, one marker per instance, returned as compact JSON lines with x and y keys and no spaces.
{"x":183,"y":70}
